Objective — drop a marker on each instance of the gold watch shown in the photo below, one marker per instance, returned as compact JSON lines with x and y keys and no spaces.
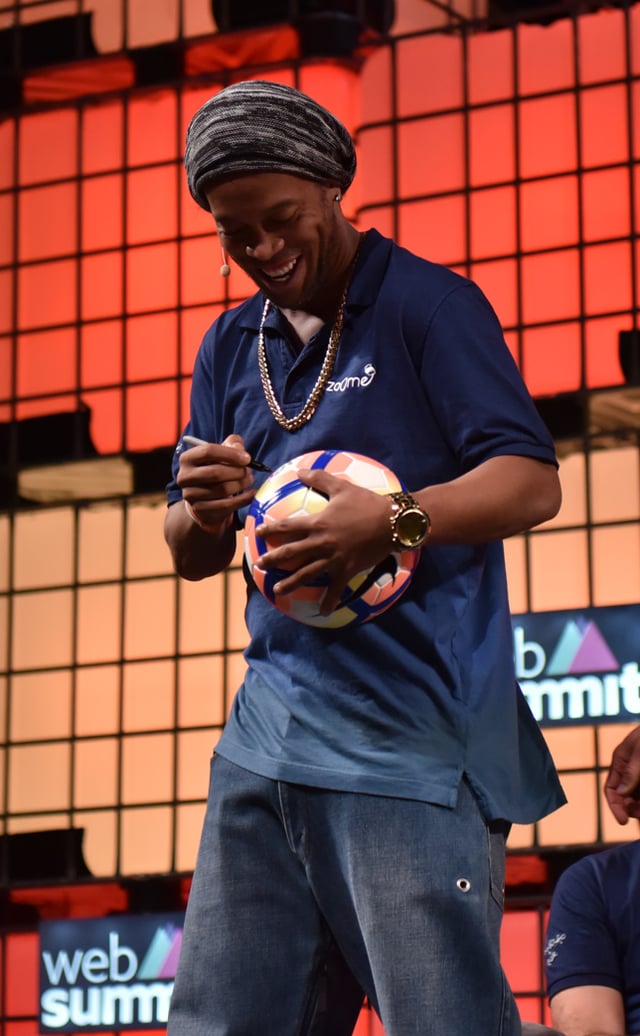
{"x":410,"y":524}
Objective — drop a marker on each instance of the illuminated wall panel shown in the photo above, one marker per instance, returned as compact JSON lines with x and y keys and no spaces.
{"x":96,"y":702}
{"x":511,"y":156}
{"x":616,"y":564}
{"x":545,"y":58}
{"x":40,"y":706}
{"x":148,"y":694}
{"x":619,"y":468}
{"x":492,"y":222}
{"x":521,"y":930}
{"x":430,"y":74}
{"x":447,"y":222}
{"x":147,"y":838}
{"x":556,"y":347}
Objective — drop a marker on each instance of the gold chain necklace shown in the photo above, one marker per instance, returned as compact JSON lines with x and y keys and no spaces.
{"x":291,"y":424}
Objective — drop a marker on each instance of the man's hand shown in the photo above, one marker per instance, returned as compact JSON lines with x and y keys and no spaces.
{"x":622,"y":786}
{"x":215,"y":480}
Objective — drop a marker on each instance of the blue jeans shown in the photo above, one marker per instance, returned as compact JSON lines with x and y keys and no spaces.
{"x":305,"y":900}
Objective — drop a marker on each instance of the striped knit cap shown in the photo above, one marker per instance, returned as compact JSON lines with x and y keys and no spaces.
{"x":257,"y":127}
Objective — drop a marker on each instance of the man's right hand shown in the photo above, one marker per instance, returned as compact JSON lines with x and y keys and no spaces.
{"x":622,"y":786}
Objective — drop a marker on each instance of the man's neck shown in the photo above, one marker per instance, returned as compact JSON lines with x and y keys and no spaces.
{"x":306,"y":325}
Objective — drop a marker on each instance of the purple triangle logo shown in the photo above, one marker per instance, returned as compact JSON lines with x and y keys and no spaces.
{"x":582,"y":649}
{"x":593,"y":654}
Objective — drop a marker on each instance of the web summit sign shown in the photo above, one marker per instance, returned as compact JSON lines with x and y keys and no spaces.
{"x":579,"y":667}
{"x":113,"y":973}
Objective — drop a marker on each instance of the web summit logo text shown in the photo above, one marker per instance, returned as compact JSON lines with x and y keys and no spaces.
{"x":579,"y":678}
{"x":107,"y":974}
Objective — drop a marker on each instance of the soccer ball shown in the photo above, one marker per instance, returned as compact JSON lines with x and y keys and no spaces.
{"x":284,"y":495}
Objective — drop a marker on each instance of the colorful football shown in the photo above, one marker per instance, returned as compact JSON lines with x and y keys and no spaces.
{"x":284,"y":495}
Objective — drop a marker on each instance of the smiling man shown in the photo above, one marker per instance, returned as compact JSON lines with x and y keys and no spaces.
{"x":365,"y":781}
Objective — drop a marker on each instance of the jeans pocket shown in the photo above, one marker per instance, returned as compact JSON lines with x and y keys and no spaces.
{"x":497,"y":831}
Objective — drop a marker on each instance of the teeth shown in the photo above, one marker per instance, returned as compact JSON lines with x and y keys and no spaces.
{"x":282,"y":273}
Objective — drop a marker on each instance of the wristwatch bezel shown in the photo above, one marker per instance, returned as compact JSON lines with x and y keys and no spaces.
{"x":403,"y":505}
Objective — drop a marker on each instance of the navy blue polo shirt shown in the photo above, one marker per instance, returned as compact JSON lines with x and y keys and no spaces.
{"x":405,"y":704}
{"x":593,"y":935}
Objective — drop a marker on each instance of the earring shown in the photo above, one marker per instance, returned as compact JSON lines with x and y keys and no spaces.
{"x":225,"y":269}
{"x":338,"y":197}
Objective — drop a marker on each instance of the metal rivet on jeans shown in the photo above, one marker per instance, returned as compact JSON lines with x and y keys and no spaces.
{"x":463,"y":884}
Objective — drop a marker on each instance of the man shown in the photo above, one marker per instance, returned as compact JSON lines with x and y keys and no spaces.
{"x":622,"y":786}
{"x":592,"y":951}
{"x":366,"y":778}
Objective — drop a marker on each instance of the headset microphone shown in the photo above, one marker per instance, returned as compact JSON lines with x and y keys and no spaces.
{"x":225,"y":269}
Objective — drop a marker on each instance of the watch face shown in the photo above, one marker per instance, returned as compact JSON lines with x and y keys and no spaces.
{"x":412,"y":527}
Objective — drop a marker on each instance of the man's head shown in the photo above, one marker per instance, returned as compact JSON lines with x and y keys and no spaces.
{"x":271,"y":166}
{"x":257,"y":127}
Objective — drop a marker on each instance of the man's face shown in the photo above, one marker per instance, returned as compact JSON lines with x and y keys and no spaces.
{"x":283,"y":231}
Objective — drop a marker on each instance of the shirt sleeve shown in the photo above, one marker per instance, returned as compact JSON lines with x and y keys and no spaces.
{"x":580,"y":947}
{"x":477,"y":393}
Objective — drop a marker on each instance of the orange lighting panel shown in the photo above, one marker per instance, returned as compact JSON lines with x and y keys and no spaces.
{"x":7,"y":222}
{"x":47,"y":362}
{"x":602,"y":48}
{"x":102,"y":212}
{"x":47,"y":221}
{"x":491,"y":145}
{"x":151,"y":348}
{"x":152,"y":203}
{"x":490,"y":65}
{"x":552,"y":358}
{"x":375,"y":163}
{"x":152,"y":128}
{"x":7,"y":153}
{"x":101,"y":353}
{"x":102,"y":129}
{"x":152,"y":277}
{"x":431,"y":155}
{"x":520,"y":948}
{"x":548,"y":135}
{"x":549,"y":213}
{"x":607,"y":278}
{"x":48,"y":146}
{"x":151,"y":415}
{"x":606,"y":204}
{"x":21,"y":974}
{"x":551,"y":286}
{"x":604,"y":136}
{"x":545,"y":57}
{"x":430,"y":74}
{"x":492,"y":215}
{"x":376,"y":102}
{"x":47,"y":294}
{"x":102,"y":286}
{"x":200,"y":277}
{"x":7,"y":278}
{"x":6,"y":369}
